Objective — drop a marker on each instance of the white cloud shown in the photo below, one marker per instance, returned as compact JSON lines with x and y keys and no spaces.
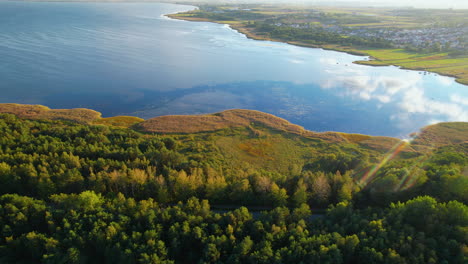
{"x":444,"y":80}
{"x":384,"y":98}
{"x":414,"y":101}
{"x":382,"y":88}
{"x":459,"y":99}
{"x":407,"y":94}
{"x":295,"y":61}
{"x":406,"y":3}
{"x":329,"y":61}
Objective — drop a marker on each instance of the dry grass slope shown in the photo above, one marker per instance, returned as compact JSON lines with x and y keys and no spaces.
{"x":25,"y":111}
{"x":431,"y":136}
{"x":385,"y":144}
{"x":212,"y":122}
{"x":355,"y":138}
{"x":81,"y":115}
{"x":184,"y":124}
{"x":442,"y":134}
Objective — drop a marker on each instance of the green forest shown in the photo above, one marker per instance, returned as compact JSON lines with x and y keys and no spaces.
{"x":81,"y":192}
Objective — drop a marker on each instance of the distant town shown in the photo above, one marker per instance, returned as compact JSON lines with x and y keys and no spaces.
{"x":393,"y":26}
{"x":454,"y":38}
{"x":431,"y":40}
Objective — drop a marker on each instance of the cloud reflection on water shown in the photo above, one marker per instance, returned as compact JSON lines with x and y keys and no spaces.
{"x":414,"y":101}
{"x":459,"y":99}
{"x":406,"y":94}
{"x":127,"y":59}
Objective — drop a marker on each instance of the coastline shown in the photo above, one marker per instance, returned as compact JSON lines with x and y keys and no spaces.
{"x":443,"y":133}
{"x":373,"y":61}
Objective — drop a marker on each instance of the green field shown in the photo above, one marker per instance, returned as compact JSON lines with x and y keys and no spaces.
{"x":440,"y":63}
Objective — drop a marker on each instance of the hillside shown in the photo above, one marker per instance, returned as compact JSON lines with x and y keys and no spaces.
{"x":218,"y":121}
{"x":442,"y":134}
{"x":43,"y":112}
{"x":248,"y":141}
{"x":78,"y":188}
{"x":435,"y":135}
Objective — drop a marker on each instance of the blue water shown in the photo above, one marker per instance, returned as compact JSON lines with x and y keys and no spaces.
{"x":128,"y":58}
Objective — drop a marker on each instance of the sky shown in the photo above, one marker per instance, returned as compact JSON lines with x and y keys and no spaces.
{"x":456,"y":4}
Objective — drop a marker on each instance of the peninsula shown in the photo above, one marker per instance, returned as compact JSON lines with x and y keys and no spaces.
{"x":416,"y":39}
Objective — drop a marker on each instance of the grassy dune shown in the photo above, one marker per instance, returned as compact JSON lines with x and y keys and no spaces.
{"x":244,"y":139}
{"x":81,"y":115}
{"x":217,"y":121}
{"x":254,"y":135}
{"x":186,"y":124}
{"x":448,"y":133}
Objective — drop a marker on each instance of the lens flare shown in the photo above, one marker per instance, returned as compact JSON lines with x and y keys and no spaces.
{"x":410,"y":179}
{"x":392,"y":153}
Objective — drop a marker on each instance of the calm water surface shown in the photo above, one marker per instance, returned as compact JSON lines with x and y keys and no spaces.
{"x":128,"y":58}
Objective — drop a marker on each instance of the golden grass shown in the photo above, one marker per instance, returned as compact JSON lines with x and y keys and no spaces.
{"x":384,"y":144}
{"x":119,"y":121}
{"x":218,"y":121}
{"x":442,"y":134}
{"x":26,"y":111}
{"x":81,"y":115}
{"x":276,"y":152}
{"x":327,"y":136}
{"x":355,"y":138}
{"x":187,"y":124}
{"x":257,"y":149}
{"x":434,"y":135}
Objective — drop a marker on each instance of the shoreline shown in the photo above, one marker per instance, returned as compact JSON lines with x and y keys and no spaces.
{"x":372,"y":60}
{"x":93,"y":117}
{"x":351,"y":51}
{"x":237,"y":118}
